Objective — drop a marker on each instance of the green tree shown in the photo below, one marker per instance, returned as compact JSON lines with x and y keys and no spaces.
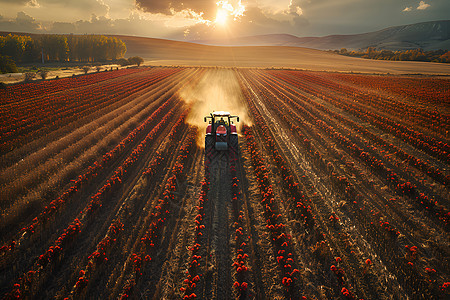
{"x":55,"y":47}
{"x":29,"y":76}
{"x":84,"y":48}
{"x":43,"y":73}
{"x":123,"y":62}
{"x":136,"y":60}
{"x":12,"y":46}
{"x":86,"y":69}
{"x":7,"y":65}
{"x":31,"y":51}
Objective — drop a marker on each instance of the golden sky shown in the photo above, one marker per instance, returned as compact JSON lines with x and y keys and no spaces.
{"x":215,"y":19}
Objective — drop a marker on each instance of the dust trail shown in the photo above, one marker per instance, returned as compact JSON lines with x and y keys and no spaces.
{"x":217,"y":90}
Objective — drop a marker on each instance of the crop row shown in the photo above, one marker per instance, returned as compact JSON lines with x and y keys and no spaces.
{"x":55,"y":251}
{"x":426,"y":90}
{"x":402,"y":186}
{"x":92,"y":172}
{"x":418,"y":139}
{"x":430,"y":170}
{"x":160,"y":213}
{"x":281,"y":241}
{"x":391,"y":106}
{"x":382,"y":235}
{"x":194,"y":273}
{"x":240,"y":261}
{"x":296,"y":198}
{"x":54,"y":111}
{"x":24,"y":92}
{"x":99,"y":256}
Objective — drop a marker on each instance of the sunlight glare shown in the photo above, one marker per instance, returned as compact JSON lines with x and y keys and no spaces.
{"x":221,"y":17}
{"x":225,"y":10}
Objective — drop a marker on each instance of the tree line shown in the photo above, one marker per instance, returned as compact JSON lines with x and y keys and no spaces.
{"x":440,"y":56}
{"x":61,"y":48}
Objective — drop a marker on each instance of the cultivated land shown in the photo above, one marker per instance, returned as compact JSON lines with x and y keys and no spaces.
{"x":166,"y":52}
{"x":340,"y":189}
{"x":160,"y":52}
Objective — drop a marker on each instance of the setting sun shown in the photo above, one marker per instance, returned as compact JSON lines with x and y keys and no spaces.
{"x":226,"y":10}
{"x":221,"y":17}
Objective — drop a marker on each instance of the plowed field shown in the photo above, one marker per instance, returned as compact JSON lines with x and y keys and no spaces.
{"x":339,"y":190}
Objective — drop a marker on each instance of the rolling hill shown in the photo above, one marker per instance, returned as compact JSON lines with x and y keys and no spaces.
{"x":168,"y":52}
{"x":428,"y":36}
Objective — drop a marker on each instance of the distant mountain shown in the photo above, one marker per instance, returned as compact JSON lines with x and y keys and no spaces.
{"x":428,"y":36}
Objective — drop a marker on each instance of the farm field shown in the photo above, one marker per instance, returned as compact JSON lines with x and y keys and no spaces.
{"x":339,"y":190}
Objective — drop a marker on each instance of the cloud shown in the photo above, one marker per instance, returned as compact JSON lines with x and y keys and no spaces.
{"x":255,"y":21}
{"x":22,"y":3}
{"x":136,"y":24}
{"x":207,"y":7}
{"x":19,"y":2}
{"x":22,"y":23}
{"x":423,"y":5}
{"x":195,"y":19}
{"x":33,"y":3}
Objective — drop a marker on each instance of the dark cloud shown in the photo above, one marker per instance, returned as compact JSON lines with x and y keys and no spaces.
{"x":208,"y":7}
{"x":22,"y":23}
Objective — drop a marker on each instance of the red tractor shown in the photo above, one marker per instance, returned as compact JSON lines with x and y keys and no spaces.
{"x":221,"y":133}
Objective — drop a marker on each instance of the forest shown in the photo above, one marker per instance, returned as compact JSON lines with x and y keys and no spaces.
{"x":439,"y":56}
{"x":61,"y":48}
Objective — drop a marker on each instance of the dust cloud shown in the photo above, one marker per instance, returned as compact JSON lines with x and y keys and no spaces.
{"x":217,"y":90}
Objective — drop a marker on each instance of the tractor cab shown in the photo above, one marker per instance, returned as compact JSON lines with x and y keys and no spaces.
{"x":221,"y":131}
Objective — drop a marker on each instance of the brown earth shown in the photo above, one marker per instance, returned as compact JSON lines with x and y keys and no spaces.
{"x":297,"y":201}
{"x":167,"y":52}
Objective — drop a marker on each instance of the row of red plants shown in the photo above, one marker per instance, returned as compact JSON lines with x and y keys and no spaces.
{"x":52,"y":111}
{"x":143,"y":256}
{"x":402,"y":186}
{"x":409,"y":135}
{"x":92,"y":172}
{"x":410,"y":113}
{"x":21,"y":92}
{"x":281,"y":241}
{"x":60,"y":245}
{"x":425,"y":90}
{"x":302,"y":203}
{"x":240,"y":264}
{"x":351,"y":193}
{"x":98,"y":257}
{"x":428,"y":169}
{"x":194,"y":272}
